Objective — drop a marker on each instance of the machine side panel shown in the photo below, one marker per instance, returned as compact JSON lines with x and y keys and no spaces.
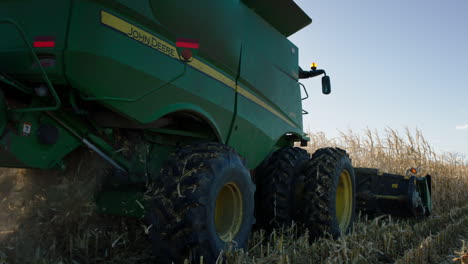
{"x":131,"y":69}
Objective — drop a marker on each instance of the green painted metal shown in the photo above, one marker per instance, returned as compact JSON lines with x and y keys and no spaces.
{"x":135,"y":98}
{"x":23,"y":142}
{"x":35,"y":18}
{"x":119,"y":58}
{"x":9,"y":81}
{"x":39,"y":65}
{"x":184,"y":133}
{"x":144,"y":84}
{"x":273,"y":82}
{"x":275,"y":11}
{"x":96,"y":143}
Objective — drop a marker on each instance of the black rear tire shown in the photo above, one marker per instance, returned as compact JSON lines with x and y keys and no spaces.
{"x":328,"y":193}
{"x":205,"y":200}
{"x":274,"y":199}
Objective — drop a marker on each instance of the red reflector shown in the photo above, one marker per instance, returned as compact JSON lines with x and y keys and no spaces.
{"x":186,"y":54}
{"x":44,"y":42}
{"x":187,"y":43}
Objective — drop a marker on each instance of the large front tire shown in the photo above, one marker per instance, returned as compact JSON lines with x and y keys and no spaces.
{"x":206,"y":201}
{"x":328,"y":193}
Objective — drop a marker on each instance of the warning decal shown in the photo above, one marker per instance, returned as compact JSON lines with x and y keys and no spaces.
{"x":27,"y":127}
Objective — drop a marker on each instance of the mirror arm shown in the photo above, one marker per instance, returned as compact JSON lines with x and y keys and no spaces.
{"x":310,"y":74}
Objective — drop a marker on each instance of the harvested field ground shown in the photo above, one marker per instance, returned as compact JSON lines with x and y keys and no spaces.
{"x":49,"y":217}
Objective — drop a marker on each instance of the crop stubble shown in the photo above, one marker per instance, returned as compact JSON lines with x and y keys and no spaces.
{"x":50,"y":217}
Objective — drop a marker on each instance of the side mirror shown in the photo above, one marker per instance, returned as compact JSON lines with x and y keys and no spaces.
{"x":326,"y":86}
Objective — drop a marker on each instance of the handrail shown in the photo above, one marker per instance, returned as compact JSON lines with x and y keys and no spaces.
{"x":10,"y":81}
{"x":44,"y":74}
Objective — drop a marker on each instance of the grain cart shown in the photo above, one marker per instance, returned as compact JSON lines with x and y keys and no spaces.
{"x":189,"y":102}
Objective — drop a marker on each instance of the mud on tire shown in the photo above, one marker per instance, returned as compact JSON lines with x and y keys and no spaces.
{"x":205,"y":199}
{"x":328,"y":193}
{"x":274,"y":199}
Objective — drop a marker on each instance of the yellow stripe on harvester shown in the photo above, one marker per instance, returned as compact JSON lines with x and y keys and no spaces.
{"x":197,"y":64}
{"x":256,"y":100}
{"x":154,"y":42}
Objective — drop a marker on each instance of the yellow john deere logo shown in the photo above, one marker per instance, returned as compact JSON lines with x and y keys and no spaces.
{"x":160,"y":45}
{"x":138,"y":34}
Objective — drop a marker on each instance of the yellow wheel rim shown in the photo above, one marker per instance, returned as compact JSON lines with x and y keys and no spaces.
{"x":228,"y":212}
{"x":344,"y":200}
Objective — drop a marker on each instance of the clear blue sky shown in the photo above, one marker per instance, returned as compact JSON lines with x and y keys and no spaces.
{"x":392,"y":64}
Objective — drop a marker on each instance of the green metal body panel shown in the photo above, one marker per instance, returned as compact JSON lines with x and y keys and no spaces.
{"x":270,"y":66}
{"x":275,"y":12}
{"x":268,"y":71}
{"x":22,"y":140}
{"x":124,"y":68}
{"x":243,"y":82}
{"x":36,"y":18}
{"x":119,"y":57}
{"x":219,"y":30}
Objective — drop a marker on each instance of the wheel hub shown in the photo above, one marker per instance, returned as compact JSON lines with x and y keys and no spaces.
{"x":228,"y":212}
{"x":344,"y":200}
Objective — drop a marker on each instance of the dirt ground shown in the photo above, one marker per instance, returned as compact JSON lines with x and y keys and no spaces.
{"x":50,"y":217}
{"x":30,"y":202}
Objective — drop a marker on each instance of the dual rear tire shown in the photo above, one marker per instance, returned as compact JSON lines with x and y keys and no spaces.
{"x":328,"y":193}
{"x":204,"y":198}
{"x":274,"y":199}
{"x":318,"y":192}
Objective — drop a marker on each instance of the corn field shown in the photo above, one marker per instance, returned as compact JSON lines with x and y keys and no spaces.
{"x":54,"y":221}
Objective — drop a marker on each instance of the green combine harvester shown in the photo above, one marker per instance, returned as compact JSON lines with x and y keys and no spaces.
{"x":195,"y":106}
